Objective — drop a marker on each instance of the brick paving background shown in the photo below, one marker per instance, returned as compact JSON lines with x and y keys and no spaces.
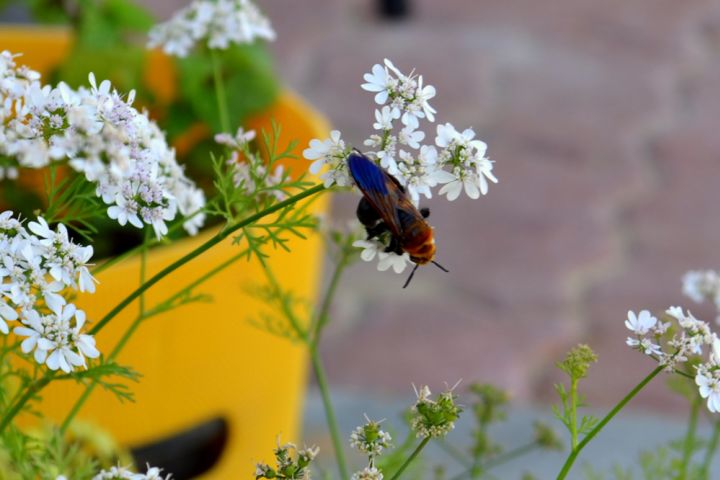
{"x":602,"y":118}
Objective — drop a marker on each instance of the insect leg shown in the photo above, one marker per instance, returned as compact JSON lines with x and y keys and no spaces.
{"x":376,"y":230}
{"x":394,"y":246}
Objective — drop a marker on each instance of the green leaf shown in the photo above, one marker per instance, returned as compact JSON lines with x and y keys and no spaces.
{"x":46,"y":11}
{"x":128,"y":14}
{"x":96,"y":29}
{"x":122,"y":65}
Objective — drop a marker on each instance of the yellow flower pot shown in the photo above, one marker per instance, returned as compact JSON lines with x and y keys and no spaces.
{"x":203,"y":360}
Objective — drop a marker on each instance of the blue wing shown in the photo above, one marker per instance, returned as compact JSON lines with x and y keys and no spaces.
{"x":368,"y":176}
{"x":381,"y":190}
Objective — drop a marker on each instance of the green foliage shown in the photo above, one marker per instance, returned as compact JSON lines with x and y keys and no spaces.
{"x":72,"y":201}
{"x":249,"y":81}
{"x":565,"y":414}
{"x":489,"y":407}
{"x":104,"y":374}
{"x":45,"y":453}
{"x":576,"y":365}
{"x":47,"y":11}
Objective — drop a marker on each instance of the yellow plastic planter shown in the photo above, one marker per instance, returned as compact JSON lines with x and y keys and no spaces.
{"x":202,"y":360}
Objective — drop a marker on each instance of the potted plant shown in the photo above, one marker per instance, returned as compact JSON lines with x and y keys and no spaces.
{"x":196,"y":371}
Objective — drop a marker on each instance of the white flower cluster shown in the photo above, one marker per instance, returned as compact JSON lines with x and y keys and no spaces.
{"x":217,"y":22}
{"x":460,"y":162}
{"x":250,"y":174}
{"x":370,"y":438}
{"x":36,"y":270}
{"x":701,"y":285}
{"x":122,"y":473}
{"x":103,"y":137}
{"x":368,"y":473}
{"x":331,"y":152}
{"x":456,"y":160}
{"x":691,"y":340}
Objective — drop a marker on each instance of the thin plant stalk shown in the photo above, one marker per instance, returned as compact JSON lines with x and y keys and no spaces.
{"x":321,"y":318}
{"x":619,"y":406}
{"x":329,"y":412}
{"x":42,"y":382}
{"x":202,"y":249}
{"x":154,"y":241}
{"x":710,"y":452}
{"x":689,"y":443}
{"x":312,"y":339}
{"x":412,"y":456}
{"x":220,"y":91}
{"x":573,"y":413}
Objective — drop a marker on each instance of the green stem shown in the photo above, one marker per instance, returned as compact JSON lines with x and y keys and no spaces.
{"x":710,"y":452}
{"x":153,"y":241}
{"x":412,"y":456}
{"x":322,"y":317}
{"x":42,"y":382}
{"x":141,"y":318}
{"x":220,"y":92}
{"x":689,"y":443}
{"x":573,"y":414}
{"x":202,"y":249}
{"x":329,"y":412}
{"x":576,"y":451}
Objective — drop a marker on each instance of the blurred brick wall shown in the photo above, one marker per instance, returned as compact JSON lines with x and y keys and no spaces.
{"x":602,"y":119}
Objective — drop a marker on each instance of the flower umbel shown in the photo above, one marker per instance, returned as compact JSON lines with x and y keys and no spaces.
{"x":702,"y":285}
{"x":38,"y":273}
{"x":370,"y":438}
{"x":122,"y":473}
{"x":577,"y":362}
{"x":102,"y":136}
{"x":288,"y":465}
{"x":456,"y":161}
{"x":368,"y":473}
{"x":218,"y":24}
{"x":434,"y":418}
{"x":691,"y":341}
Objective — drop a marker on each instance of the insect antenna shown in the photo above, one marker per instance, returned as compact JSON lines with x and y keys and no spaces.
{"x":411,"y":275}
{"x":440,"y":266}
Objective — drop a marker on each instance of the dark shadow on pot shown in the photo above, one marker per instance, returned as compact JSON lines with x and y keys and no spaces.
{"x":186,"y":454}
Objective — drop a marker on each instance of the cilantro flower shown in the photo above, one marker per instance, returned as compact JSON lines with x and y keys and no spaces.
{"x":219,"y":24}
{"x":370,"y":438}
{"x":101,"y":136}
{"x":434,"y":418}
{"x":40,"y":268}
{"x":332,"y":153}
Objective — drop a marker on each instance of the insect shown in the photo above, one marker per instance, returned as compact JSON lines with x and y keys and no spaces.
{"x":386,"y":208}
